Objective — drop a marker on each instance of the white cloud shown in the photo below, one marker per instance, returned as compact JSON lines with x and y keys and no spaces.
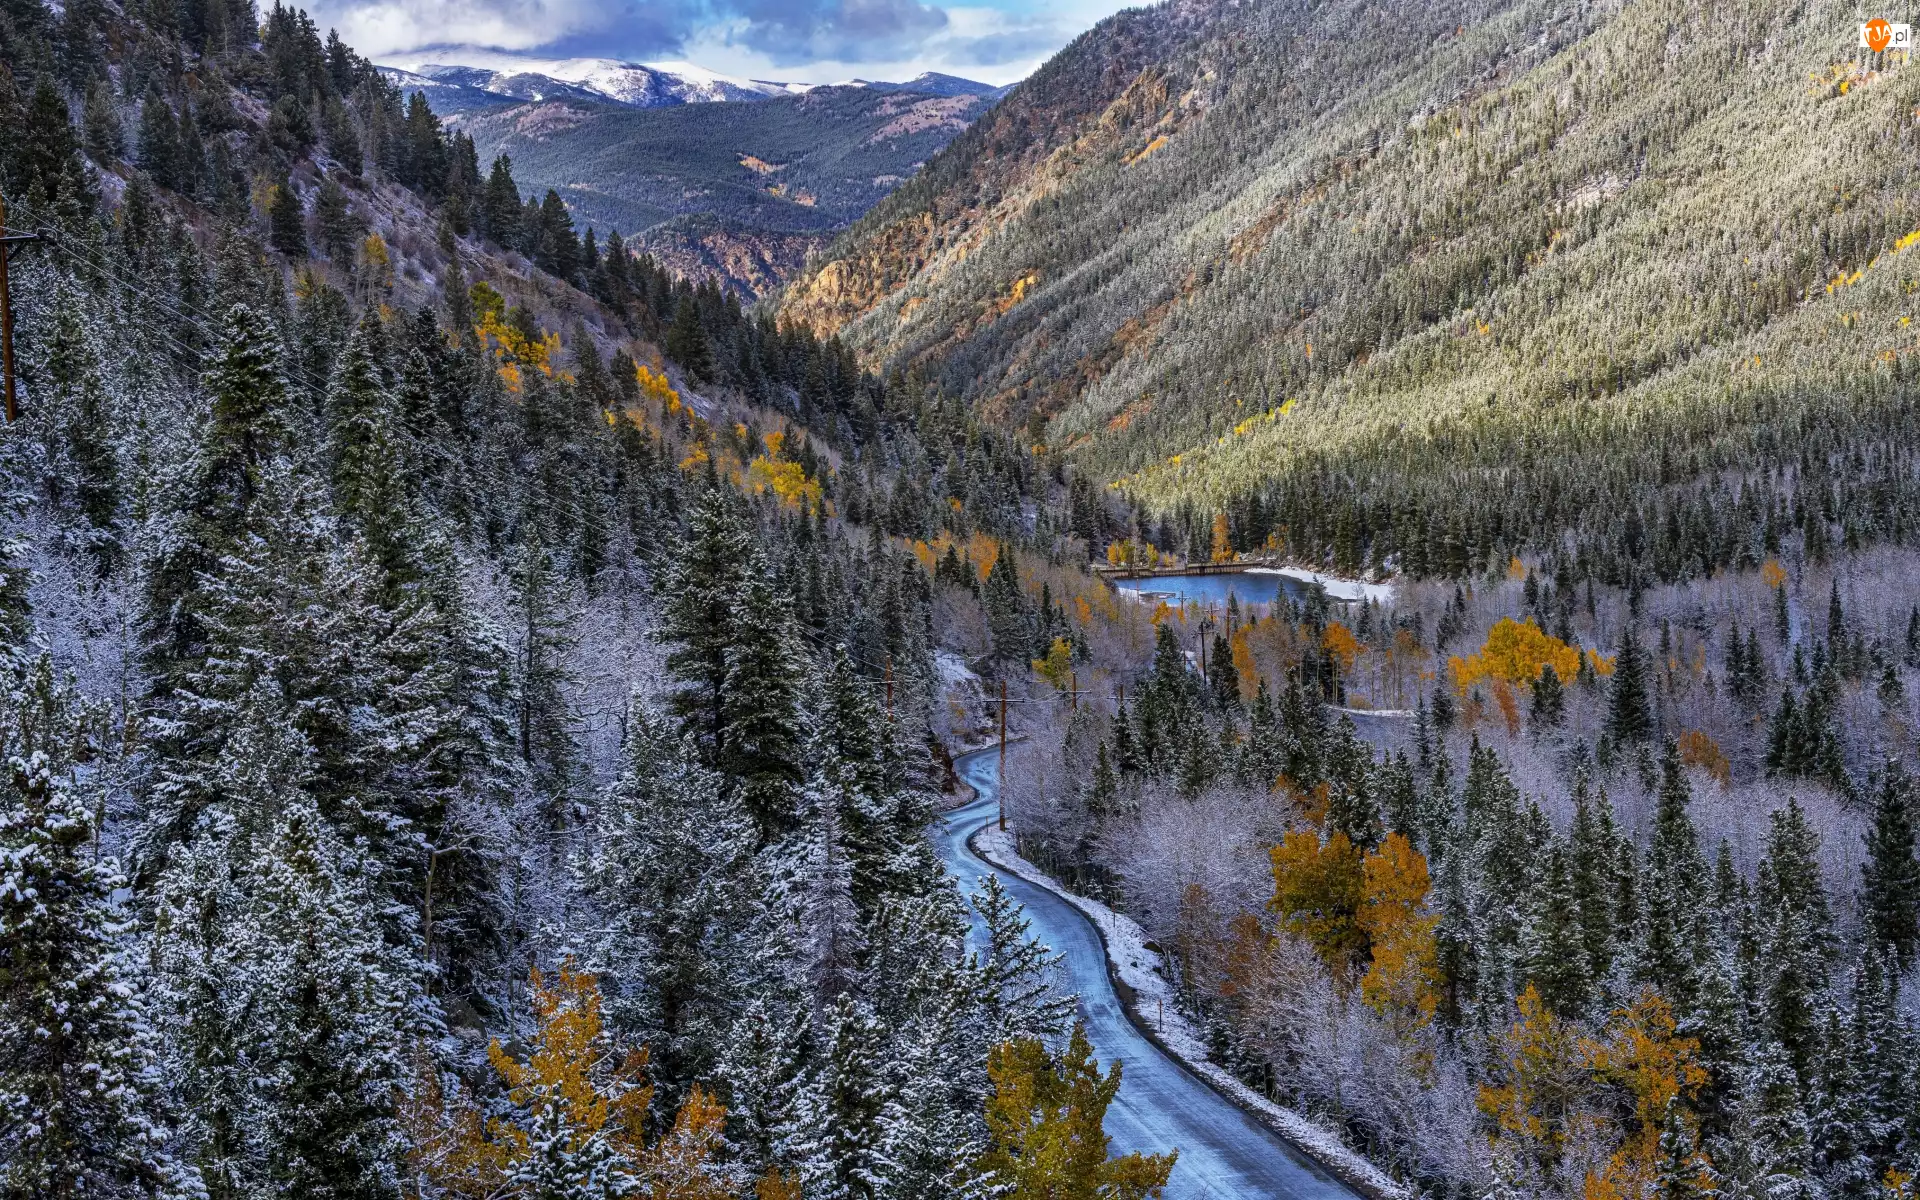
{"x":813,"y":40}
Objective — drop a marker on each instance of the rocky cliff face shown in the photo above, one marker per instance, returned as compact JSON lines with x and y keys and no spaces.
{"x":746,"y":261}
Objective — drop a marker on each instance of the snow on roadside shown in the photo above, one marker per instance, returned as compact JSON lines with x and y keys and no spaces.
{"x":1141,"y":969}
{"x":1337,"y":588}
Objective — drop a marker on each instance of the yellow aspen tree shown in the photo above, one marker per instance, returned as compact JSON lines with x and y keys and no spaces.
{"x":1403,"y":979}
{"x":1642,"y":1054}
{"x":1537,"y":1086}
{"x":1222,"y":549}
{"x":1317,"y":889}
{"x":1046,"y":1136}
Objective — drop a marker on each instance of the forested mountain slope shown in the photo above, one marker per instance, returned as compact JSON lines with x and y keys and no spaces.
{"x":453,"y":747}
{"x":1248,"y":254}
{"x":772,"y":169}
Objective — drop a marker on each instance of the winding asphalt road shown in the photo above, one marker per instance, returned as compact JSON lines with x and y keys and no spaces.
{"x":1223,"y":1151}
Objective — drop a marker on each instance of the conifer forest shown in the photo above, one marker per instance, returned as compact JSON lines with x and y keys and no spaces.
{"x":481,"y":709}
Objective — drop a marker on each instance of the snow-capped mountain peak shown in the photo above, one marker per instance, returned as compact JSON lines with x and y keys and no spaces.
{"x":452,"y":88}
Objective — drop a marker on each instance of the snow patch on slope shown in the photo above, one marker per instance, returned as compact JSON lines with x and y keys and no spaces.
{"x":1141,"y":969}
{"x":1337,"y":588}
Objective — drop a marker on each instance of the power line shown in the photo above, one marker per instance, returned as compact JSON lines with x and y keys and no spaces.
{"x":197,"y":319}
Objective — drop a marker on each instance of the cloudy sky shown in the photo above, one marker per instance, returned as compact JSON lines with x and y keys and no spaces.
{"x":813,"y":41}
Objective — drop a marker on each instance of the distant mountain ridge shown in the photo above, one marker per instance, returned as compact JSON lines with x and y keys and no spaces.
{"x":454,"y":90}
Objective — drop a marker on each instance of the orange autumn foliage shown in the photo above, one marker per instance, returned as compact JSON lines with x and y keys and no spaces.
{"x":777,"y":1185}
{"x":1516,"y":652}
{"x":1403,"y":980}
{"x":577,"y":1078}
{"x":1339,"y":641}
{"x":569,"y":1068}
{"x":1244,"y":664}
{"x":681,"y":1165}
{"x":787,"y":480}
{"x":1536,"y":1078}
{"x":1642,"y":1054}
{"x":1699,"y":750}
{"x":655,"y":389}
{"x":1222,"y":549}
{"x":1317,"y":890}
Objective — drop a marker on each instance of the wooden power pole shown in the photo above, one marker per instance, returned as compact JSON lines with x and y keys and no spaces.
{"x":7,"y":243}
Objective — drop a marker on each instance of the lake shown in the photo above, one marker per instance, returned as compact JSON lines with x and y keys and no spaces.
{"x":1212,"y":590}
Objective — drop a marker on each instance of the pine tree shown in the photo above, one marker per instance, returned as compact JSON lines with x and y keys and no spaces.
{"x":1629,"y":716}
{"x":1007,"y":617}
{"x":1675,"y":894}
{"x":1892,"y":872}
{"x":764,"y":1073}
{"x":1103,"y":791}
{"x":760,"y":743}
{"x":542,"y":640}
{"x":1549,"y":699}
{"x":76,"y":393}
{"x":1680,"y":1172}
{"x":1016,"y":986}
{"x":159,"y":139}
{"x":500,"y":205}
{"x":1775,"y":1125}
{"x":1841,"y":1117}
{"x":325,"y":1030}
{"x":1797,"y":936}
{"x":105,"y":141}
{"x":1223,"y":680}
{"x":244,"y":434}
{"x":686,"y":341}
{"x":821,"y":901}
{"x":669,"y":871}
{"x":1555,"y":951}
{"x":735,"y":654}
{"x":850,"y":1105}
{"x":287,"y":220}
{"x":204,"y":990}
{"x":362,"y":439}
{"x":76,"y":1110}
{"x":1591,"y":855}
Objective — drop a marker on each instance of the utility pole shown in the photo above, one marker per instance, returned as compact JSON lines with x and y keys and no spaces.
{"x":7,"y":242}
{"x":1000,"y":791}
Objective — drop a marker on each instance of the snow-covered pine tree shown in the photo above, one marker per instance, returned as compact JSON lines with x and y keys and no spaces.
{"x":821,"y":904}
{"x":203,"y":991}
{"x":735,"y":654}
{"x":850,"y":1106}
{"x":669,"y":869}
{"x":1675,"y":892}
{"x":1554,"y":950}
{"x":1891,"y":877}
{"x":763,"y":1071}
{"x":244,"y":430}
{"x":323,"y":1033}
{"x":1018,"y":995}
{"x":760,"y":739}
{"x":77,"y":1113}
